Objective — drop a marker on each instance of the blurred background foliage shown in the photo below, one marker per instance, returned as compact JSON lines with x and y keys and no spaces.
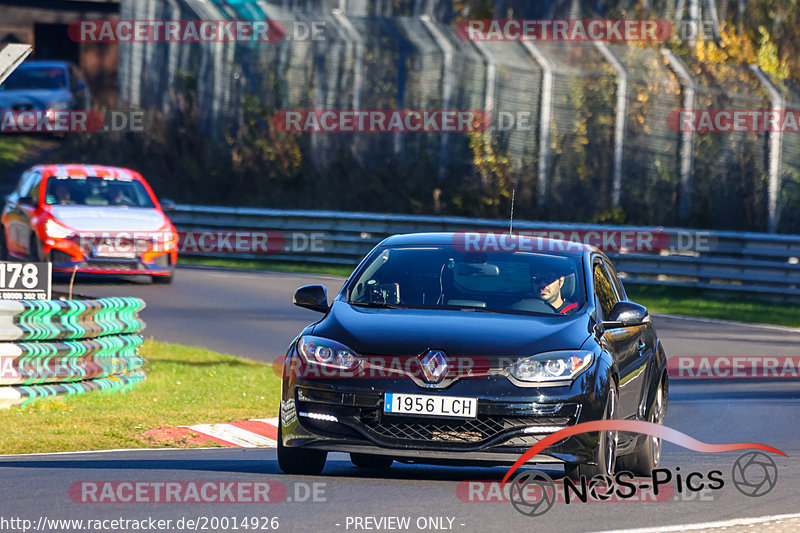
{"x":253,"y":164}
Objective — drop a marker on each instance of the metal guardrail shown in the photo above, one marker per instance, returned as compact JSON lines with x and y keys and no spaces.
{"x":726,"y":261}
{"x":65,"y":347}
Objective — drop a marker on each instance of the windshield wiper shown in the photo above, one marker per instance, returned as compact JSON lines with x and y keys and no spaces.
{"x":378,"y":305}
{"x":468,"y":308}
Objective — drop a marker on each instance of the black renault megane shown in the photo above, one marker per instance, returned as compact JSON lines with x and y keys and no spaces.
{"x":437,"y":351}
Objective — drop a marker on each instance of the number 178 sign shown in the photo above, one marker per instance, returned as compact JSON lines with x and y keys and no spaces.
{"x":25,"y":281}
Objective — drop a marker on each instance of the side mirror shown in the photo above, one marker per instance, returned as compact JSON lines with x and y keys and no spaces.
{"x":167,"y":205}
{"x":625,"y":314}
{"x":313,"y":297}
{"x":80,"y":85}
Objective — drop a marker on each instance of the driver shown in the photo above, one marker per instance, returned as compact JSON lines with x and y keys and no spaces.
{"x":117,"y":196}
{"x":547,"y":287}
{"x":63,"y":194}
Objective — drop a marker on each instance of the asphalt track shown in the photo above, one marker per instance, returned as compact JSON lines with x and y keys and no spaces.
{"x":250,"y":314}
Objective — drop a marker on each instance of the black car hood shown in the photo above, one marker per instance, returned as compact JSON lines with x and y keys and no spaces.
{"x":406,"y":332}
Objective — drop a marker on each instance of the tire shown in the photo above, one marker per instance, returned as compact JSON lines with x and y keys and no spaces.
{"x":35,"y":250}
{"x":644,"y":460}
{"x":377,"y":462}
{"x":605,"y":454}
{"x":3,"y":245}
{"x":299,"y":461}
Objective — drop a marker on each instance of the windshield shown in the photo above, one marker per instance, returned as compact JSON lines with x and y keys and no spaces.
{"x":443,"y":277}
{"x":93,"y":190}
{"x":32,"y":78}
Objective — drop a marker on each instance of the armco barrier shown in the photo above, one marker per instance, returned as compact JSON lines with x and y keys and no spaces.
{"x":725,"y":261}
{"x":68,"y":319}
{"x":66,"y":347}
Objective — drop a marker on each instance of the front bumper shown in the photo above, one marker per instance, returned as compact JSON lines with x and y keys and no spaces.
{"x":347,"y":415}
{"x":66,"y":257}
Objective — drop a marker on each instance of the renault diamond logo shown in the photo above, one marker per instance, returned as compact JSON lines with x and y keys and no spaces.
{"x":434,"y":366}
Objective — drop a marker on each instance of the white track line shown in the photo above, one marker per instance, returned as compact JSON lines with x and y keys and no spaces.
{"x":270,"y":421}
{"x":270,"y":443}
{"x":234,"y":435}
{"x":707,"y":525}
{"x":83,"y":452}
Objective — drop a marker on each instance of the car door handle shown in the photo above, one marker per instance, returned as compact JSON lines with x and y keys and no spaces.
{"x":641,"y":346}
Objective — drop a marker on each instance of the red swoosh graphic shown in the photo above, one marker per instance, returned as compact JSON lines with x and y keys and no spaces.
{"x":635,"y":426}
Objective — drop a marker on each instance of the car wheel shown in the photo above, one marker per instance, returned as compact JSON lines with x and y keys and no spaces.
{"x":3,"y":245}
{"x":35,"y":250}
{"x":644,"y":460}
{"x":605,"y":454}
{"x":299,"y":460}
{"x":378,"y":462}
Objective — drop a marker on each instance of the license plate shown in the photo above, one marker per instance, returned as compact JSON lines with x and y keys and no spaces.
{"x":111,"y":252}
{"x":426,"y":405}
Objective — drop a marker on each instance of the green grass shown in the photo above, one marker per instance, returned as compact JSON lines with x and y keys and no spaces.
{"x":693,"y":302}
{"x":183,"y":386}
{"x":276,"y":266}
{"x":13,"y":147}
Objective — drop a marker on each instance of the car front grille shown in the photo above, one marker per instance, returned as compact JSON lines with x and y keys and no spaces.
{"x":454,"y":432}
{"x":131,"y":266}
{"x":122,"y":243}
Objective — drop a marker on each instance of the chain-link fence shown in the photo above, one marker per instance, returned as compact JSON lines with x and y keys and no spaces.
{"x":585,"y":126}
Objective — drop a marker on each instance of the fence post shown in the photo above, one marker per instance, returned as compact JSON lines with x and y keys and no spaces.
{"x":491,"y":82}
{"x":545,"y":118}
{"x":712,"y":14}
{"x":619,"y":121}
{"x":397,"y":140}
{"x":447,"y":85}
{"x":778,"y":103}
{"x":358,"y":68}
{"x":687,"y":137}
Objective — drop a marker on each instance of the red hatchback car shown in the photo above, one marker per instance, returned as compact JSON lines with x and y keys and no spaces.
{"x":92,"y":218}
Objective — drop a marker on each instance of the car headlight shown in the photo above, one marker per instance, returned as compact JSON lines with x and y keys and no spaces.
{"x":167,"y":239}
{"x":55,"y":230}
{"x":552,"y":366}
{"x":327,"y":352}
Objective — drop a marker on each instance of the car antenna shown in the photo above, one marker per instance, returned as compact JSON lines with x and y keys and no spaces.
{"x":511,"y":220}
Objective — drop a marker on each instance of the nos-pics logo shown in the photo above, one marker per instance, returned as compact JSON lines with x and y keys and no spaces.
{"x":533,"y":492}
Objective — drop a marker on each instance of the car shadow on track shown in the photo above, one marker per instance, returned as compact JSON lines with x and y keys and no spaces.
{"x":337,"y":466}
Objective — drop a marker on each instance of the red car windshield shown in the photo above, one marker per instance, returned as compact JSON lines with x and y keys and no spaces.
{"x":96,"y":191}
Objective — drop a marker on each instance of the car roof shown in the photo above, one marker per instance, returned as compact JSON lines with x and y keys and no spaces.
{"x":81,"y":170}
{"x":533,"y":244}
